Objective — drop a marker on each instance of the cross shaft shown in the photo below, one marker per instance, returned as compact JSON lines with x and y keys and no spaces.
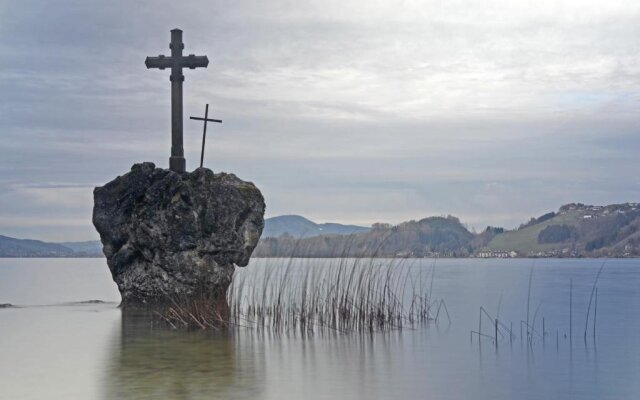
{"x":176,"y":62}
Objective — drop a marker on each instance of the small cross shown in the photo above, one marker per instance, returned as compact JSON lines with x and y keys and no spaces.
{"x":204,"y":131}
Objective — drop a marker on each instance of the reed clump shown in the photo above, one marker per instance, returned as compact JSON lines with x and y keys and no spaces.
{"x":207,"y":311}
{"x":340,"y":295}
{"x":500,"y":330}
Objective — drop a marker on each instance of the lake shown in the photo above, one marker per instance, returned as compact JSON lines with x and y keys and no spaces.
{"x":54,"y":346}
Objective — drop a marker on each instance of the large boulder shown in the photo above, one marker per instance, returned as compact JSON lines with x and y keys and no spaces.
{"x":170,"y":236}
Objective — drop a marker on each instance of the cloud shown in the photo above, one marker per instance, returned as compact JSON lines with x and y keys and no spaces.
{"x":351,"y":111}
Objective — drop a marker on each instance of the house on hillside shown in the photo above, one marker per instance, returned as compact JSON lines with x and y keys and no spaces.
{"x":496,"y":254}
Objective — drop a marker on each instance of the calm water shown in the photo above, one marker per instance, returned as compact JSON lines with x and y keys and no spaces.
{"x":54,"y":348}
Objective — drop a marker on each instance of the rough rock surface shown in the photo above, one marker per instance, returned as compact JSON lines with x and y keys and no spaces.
{"x":169,"y":236}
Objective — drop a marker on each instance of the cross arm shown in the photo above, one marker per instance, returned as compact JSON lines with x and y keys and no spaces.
{"x":160,"y":62}
{"x":206,"y":119}
{"x":192,"y":61}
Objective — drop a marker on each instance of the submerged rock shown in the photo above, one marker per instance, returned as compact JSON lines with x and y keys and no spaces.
{"x":89,"y":302}
{"x":169,"y":236}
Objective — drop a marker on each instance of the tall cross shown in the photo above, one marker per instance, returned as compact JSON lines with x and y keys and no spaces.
{"x":204,"y":131}
{"x":176,"y":62}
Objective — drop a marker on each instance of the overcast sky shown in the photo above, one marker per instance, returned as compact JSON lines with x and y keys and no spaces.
{"x":353,"y":112}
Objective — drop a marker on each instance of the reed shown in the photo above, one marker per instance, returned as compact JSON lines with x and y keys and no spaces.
{"x":529,"y":300}
{"x":570,"y":311}
{"x":595,"y":315}
{"x":593,"y":290}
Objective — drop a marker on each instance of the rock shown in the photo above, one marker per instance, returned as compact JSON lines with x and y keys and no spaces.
{"x":6,"y":305}
{"x":168,"y":235}
{"x":89,"y":302}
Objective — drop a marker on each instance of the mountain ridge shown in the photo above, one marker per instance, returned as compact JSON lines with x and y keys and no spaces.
{"x":575,"y":230}
{"x":301,"y":227}
{"x":12,"y":247}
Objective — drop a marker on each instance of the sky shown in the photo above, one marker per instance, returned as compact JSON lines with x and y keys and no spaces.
{"x":341,"y":111}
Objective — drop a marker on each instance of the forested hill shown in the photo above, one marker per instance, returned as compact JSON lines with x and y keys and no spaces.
{"x":575,"y":230}
{"x":429,"y":236}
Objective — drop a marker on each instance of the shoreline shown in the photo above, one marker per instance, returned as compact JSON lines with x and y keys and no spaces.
{"x":370,"y":257}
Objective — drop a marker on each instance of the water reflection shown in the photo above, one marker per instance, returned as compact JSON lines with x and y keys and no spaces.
{"x":94,"y":351}
{"x":153,"y":362}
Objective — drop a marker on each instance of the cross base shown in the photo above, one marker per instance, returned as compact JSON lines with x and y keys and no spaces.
{"x":177,"y":164}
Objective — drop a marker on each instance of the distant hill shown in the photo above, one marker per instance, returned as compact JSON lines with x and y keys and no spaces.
{"x":12,"y":247}
{"x":88,"y":248}
{"x":429,"y":236}
{"x":575,"y":230}
{"x":300,"y":227}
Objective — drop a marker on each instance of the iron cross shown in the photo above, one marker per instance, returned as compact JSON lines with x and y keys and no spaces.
{"x":176,"y":62}
{"x":204,"y":131}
